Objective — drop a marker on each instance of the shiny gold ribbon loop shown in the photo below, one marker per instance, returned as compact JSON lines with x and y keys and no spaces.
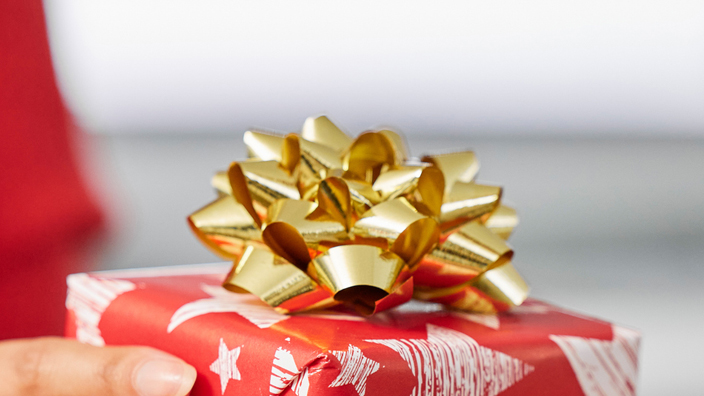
{"x":466,"y":202}
{"x":423,"y":186}
{"x":457,"y":167}
{"x":409,"y":234}
{"x":362,"y":195}
{"x":224,"y":226}
{"x":263,"y":146}
{"x":503,"y":283}
{"x":334,"y":202}
{"x":277,"y":282}
{"x":256,"y":185}
{"x":290,"y":153}
{"x":316,"y":163}
{"x":502,"y":221}
{"x":465,"y":254}
{"x":495,"y":290}
{"x":399,"y":144}
{"x":302,"y":216}
{"x":322,"y":131}
{"x":289,"y":232}
{"x":358,"y":275}
{"x":285,"y":240}
{"x":369,"y":155}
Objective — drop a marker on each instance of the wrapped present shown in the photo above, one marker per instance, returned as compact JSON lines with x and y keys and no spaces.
{"x":241,"y":345}
{"x":317,"y":219}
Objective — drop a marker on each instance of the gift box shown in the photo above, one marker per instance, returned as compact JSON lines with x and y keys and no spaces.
{"x":241,"y":345}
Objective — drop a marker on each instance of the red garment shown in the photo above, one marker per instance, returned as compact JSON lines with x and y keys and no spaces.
{"x":46,"y":213}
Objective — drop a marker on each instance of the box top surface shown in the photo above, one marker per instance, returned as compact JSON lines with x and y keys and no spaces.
{"x":185,"y":311}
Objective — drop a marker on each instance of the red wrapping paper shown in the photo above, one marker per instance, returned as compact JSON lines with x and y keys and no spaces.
{"x":241,"y":346}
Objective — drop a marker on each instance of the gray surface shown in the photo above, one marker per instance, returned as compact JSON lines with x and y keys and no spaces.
{"x":611,"y":228}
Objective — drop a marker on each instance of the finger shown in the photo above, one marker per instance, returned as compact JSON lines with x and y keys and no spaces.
{"x":55,"y":366}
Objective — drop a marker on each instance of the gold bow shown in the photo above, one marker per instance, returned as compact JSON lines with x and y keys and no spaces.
{"x":318,"y":219}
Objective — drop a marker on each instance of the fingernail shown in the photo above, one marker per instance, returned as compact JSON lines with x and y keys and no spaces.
{"x":163,"y":377}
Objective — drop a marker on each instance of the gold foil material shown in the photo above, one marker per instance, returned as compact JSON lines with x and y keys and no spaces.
{"x":263,"y":146}
{"x":464,"y":255}
{"x":296,"y":215}
{"x":316,"y":163}
{"x":290,"y":153}
{"x":409,"y":234}
{"x":321,"y":218}
{"x":502,"y":221}
{"x":334,"y":202}
{"x":479,"y":261}
{"x":256,"y":185}
{"x":399,"y":144}
{"x":457,"y":167}
{"x":466,"y":202}
{"x":503,"y":283}
{"x":362,"y":195}
{"x":285,"y":287}
{"x":422,"y":185}
{"x":497,"y":289}
{"x":321,"y":130}
{"x":224,"y":226}
{"x":221,"y":183}
{"x":358,"y":275}
{"x":368,"y":156}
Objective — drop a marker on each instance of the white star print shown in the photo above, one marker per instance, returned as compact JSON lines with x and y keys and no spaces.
{"x":355,"y":369}
{"x":452,"y":363}
{"x":603,"y":367}
{"x":248,"y":306}
{"x":226,"y":365}
{"x":285,"y":373}
{"x":88,"y":297}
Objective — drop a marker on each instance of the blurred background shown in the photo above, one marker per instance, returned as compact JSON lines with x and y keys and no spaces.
{"x":590,"y":114}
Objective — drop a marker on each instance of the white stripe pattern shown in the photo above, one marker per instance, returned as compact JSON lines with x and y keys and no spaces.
{"x":355,"y":369}
{"x":88,"y":297}
{"x":452,"y":363}
{"x":603,"y":367}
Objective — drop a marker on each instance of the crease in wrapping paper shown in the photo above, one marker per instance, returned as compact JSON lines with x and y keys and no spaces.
{"x":320,"y":219}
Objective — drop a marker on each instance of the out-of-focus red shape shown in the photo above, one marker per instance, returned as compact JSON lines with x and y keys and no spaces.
{"x":46,"y":212}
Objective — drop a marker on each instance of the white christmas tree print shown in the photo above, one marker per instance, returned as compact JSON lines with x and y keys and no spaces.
{"x":285,"y":372}
{"x":88,"y":297}
{"x":226,"y":365}
{"x":246,"y":305}
{"x":355,"y":369}
{"x":452,"y":363}
{"x":603,"y":367}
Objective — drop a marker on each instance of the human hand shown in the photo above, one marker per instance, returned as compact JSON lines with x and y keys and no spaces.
{"x":56,"y":366}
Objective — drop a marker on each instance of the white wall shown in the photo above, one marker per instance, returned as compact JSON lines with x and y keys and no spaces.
{"x":507,"y":67}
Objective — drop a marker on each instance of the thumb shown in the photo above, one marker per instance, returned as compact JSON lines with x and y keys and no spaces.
{"x":55,"y":366}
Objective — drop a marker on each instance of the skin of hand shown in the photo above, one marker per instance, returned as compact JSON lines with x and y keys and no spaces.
{"x":57,"y":366}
